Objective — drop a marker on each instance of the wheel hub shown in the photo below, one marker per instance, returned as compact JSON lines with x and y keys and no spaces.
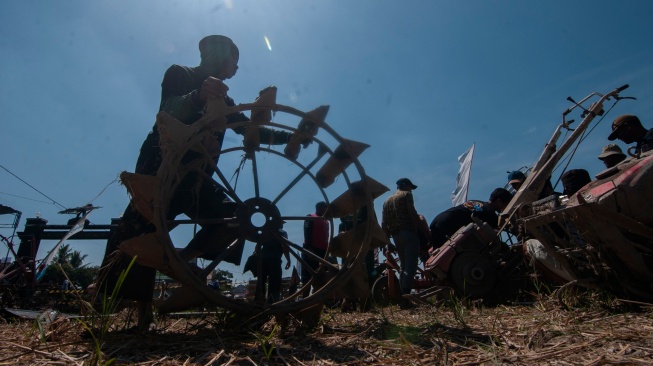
{"x":472,"y":274}
{"x":476,"y":273}
{"x":258,"y":219}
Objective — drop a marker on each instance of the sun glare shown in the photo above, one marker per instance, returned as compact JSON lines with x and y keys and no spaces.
{"x":267,"y":41}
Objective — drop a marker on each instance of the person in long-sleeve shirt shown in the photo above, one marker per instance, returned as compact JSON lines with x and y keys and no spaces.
{"x":400,"y":221}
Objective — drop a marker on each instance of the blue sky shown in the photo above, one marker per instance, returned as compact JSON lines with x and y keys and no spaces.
{"x":419,"y":81}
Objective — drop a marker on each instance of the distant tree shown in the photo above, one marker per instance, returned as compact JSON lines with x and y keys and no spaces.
{"x":69,"y":258}
{"x":76,"y":259}
{"x":72,"y":263}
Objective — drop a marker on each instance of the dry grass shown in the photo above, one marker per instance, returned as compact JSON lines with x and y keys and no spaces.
{"x":591,"y":331}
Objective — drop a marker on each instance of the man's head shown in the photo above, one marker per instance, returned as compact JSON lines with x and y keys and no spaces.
{"x":611,"y":155}
{"x":320,"y":208}
{"x":405,"y":184}
{"x":219,"y":55}
{"x":627,"y":128}
{"x":499,"y":199}
{"x":516,"y":178}
{"x":573,"y":180}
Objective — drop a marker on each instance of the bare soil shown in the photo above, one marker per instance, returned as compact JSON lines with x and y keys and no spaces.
{"x":583,"y":331}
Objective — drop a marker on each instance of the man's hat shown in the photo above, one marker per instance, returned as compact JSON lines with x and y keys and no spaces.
{"x":610,"y":150}
{"x":405,"y":182}
{"x":516,"y":176}
{"x":620,"y":121}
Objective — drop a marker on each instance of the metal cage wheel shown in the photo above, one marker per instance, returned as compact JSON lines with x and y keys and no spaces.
{"x":257,"y":211}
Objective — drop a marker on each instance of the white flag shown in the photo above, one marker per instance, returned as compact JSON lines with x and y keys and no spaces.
{"x":459,"y":195}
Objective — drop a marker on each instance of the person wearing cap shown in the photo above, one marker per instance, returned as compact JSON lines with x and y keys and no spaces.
{"x":449,"y":221}
{"x":611,"y":155}
{"x":184,"y":93}
{"x":516,"y":178}
{"x":401,"y":222}
{"x":629,"y":129}
{"x":271,"y":273}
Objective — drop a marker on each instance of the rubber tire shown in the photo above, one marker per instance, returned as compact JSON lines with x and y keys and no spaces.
{"x":472,"y":275}
{"x":381,"y":291}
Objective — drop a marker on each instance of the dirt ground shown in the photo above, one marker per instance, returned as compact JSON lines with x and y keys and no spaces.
{"x":586,"y":330}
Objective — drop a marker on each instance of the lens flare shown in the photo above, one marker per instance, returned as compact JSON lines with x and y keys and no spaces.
{"x":267,"y":41}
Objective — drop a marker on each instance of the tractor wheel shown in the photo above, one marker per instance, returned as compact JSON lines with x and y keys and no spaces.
{"x":382,"y":293}
{"x":472,"y":275}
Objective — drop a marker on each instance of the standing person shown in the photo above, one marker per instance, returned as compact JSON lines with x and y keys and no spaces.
{"x":611,"y":155}
{"x":449,"y":221}
{"x":629,"y":129}
{"x":271,"y":252}
{"x":401,"y":222}
{"x":346,"y":224}
{"x":184,"y":94}
{"x":316,"y":241}
{"x":370,"y":262}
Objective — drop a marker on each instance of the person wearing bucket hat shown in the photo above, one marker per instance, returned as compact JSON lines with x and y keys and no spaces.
{"x":184,"y":93}
{"x":401,"y":222}
{"x":629,"y":129}
{"x":611,"y":155}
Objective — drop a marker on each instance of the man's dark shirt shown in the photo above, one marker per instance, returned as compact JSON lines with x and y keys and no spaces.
{"x":180,"y":98}
{"x":646,"y":143}
{"x":448,"y":222}
{"x":273,"y":249}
